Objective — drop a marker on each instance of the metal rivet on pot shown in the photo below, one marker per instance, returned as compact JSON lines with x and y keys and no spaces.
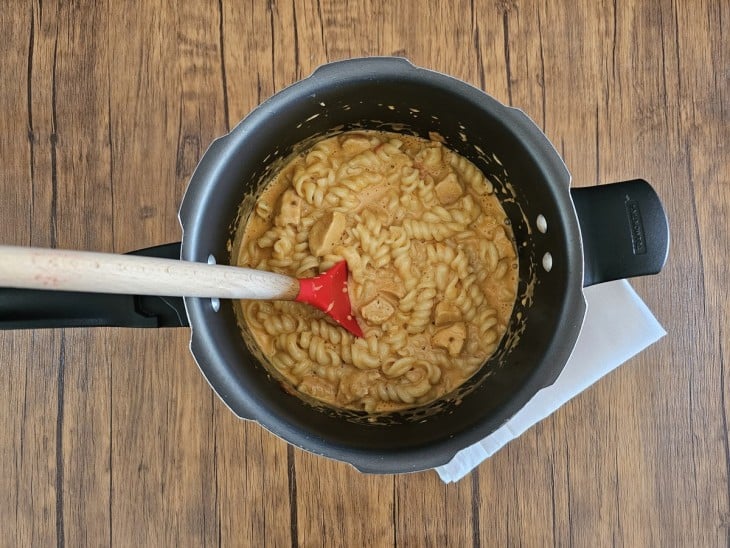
{"x":547,"y":262}
{"x":215,"y":302}
{"x":541,"y":223}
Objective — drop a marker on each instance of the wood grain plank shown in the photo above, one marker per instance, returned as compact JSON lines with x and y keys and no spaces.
{"x":83,"y":442}
{"x":258,"y":63}
{"x":705,"y":123}
{"x":253,"y":484}
{"x":163,"y":483}
{"x":165,"y":106}
{"x":337,"y":505}
{"x":80,"y":174}
{"x":30,"y":477}
{"x":144,"y":119}
{"x":38,"y":204}
{"x":28,"y":463}
{"x":431,"y":514}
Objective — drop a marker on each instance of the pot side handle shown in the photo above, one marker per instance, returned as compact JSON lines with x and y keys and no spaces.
{"x":624,"y":228}
{"x":39,"y":309}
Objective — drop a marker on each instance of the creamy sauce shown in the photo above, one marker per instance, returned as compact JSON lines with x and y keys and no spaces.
{"x":433,"y":269}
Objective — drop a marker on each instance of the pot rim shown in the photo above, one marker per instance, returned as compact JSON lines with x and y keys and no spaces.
{"x":414,"y":458}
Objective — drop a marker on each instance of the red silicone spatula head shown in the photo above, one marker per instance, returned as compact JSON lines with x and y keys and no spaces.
{"x":329,"y":293}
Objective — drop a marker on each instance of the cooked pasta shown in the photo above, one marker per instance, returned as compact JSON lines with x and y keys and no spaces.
{"x":433,"y":269}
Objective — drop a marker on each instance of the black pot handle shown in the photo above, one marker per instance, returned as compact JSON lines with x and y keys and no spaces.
{"x":624,"y":229}
{"x":37,"y":309}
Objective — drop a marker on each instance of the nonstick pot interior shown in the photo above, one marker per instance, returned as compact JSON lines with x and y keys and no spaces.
{"x":531,"y":180}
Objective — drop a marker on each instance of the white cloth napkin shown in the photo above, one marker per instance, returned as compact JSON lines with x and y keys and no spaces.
{"x":617,"y":326}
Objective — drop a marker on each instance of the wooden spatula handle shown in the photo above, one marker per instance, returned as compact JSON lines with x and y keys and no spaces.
{"x":54,"y":269}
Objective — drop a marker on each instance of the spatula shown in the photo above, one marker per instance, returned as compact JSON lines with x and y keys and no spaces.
{"x":63,"y":270}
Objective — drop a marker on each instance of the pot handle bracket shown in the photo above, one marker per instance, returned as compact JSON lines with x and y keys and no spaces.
{"x":624,"y":228}
{"x":39,"y":309}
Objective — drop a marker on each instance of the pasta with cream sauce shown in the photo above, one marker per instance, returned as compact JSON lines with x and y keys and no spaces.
{"x":432,"y":262}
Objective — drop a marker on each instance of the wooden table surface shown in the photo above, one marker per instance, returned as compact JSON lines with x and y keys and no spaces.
{"x":112,"y":436}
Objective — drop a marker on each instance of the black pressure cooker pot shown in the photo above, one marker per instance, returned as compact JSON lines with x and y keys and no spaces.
{"x":566,"y":239}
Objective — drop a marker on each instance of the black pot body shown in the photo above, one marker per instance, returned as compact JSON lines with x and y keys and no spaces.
{"x":528,"y":175}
